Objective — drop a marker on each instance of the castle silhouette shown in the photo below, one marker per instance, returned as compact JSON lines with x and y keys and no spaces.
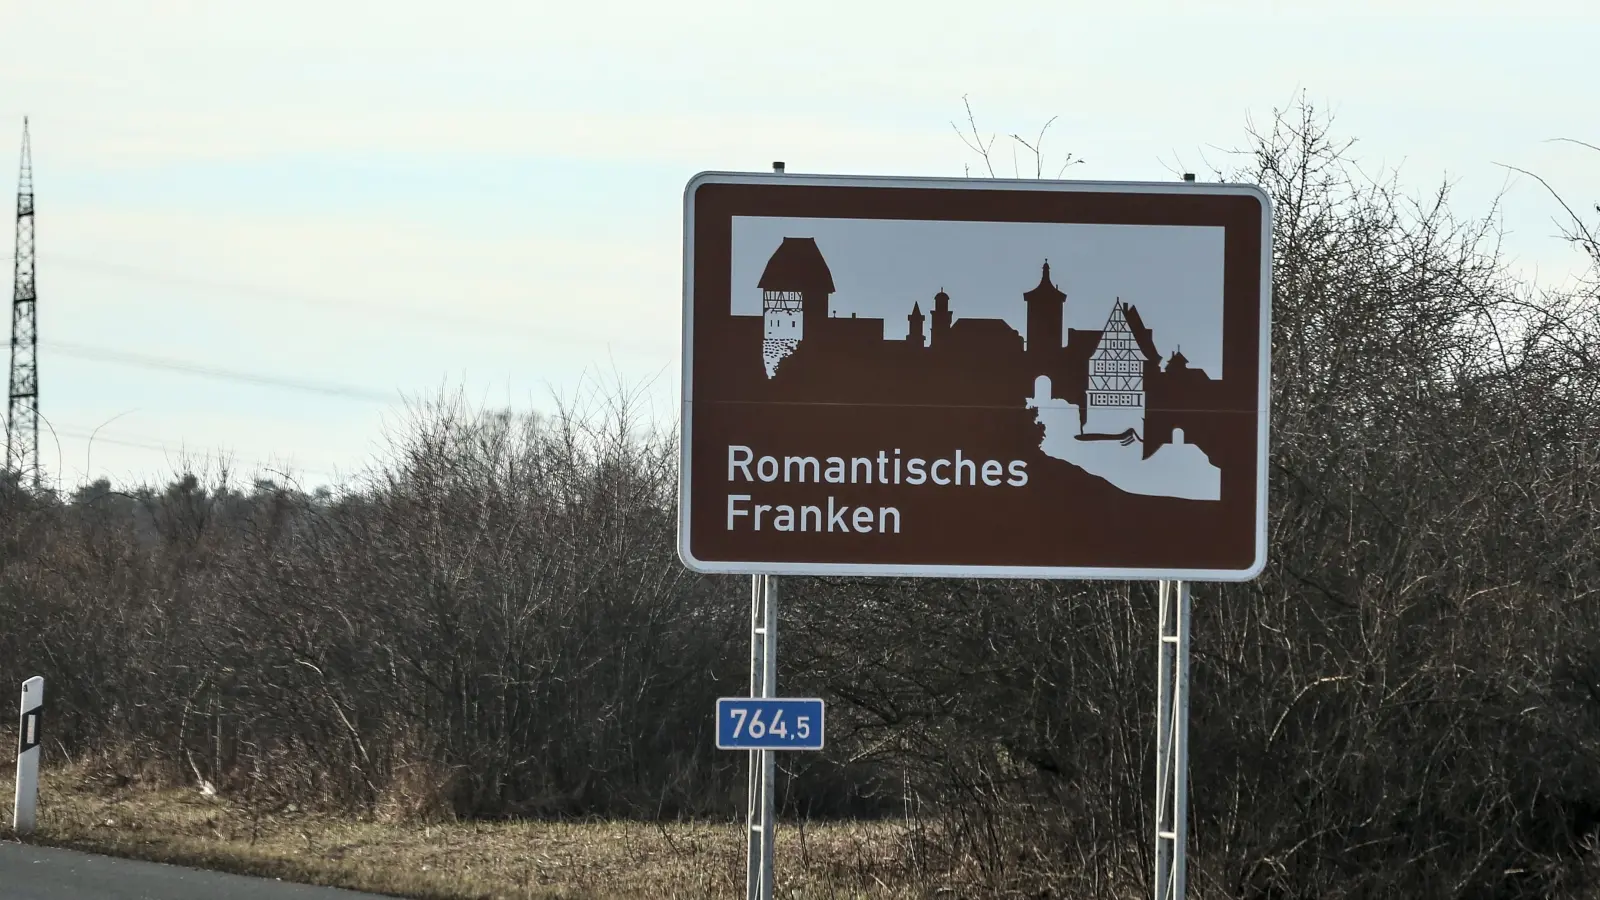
{"x":1115,"y":375}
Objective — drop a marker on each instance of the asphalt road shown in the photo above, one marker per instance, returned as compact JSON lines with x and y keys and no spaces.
{"x":42,"y":873}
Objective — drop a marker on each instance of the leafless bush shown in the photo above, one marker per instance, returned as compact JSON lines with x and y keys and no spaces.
{"x":496,"y":616}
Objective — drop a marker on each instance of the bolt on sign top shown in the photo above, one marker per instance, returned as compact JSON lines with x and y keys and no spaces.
{"x":974,"y":378}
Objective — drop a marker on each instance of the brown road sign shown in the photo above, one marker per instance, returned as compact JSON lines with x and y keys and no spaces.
{"x":974,"y":378}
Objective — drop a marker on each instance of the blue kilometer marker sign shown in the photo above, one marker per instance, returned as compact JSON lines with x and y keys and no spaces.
{"x":750,"y":723}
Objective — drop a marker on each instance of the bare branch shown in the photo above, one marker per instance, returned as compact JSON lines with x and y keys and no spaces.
{"x":976,"y":144}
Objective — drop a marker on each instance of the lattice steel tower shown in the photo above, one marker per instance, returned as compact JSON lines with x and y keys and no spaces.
{"x":22,"y":413}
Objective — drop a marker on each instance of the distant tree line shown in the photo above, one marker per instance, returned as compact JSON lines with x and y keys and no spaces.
{"x":493,"y":622}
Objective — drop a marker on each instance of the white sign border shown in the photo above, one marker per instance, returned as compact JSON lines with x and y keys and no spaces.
{"x":893,"y":570}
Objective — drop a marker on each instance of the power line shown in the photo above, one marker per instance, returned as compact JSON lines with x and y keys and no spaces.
{"x":392,"y":314}
{"x":318,"y":302}
{"x":170,"y":364}
{"x":146,"y":443}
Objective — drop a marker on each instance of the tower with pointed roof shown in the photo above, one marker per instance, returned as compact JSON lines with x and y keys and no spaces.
{"x":914,"y":335}
{"x":1046,"y":306}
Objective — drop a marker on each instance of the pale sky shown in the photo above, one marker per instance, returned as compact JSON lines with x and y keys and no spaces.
{"x":487,"y":194}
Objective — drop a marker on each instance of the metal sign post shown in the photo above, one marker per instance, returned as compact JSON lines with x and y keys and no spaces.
{"x":760,"y":818}
{"x":1172,"y":734}
{"x":1172,"y":740}
{"x":760,"y":815}
{"x":28,"y":738}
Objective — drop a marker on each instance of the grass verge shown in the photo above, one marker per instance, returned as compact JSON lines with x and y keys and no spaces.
{"x":458,"y":861}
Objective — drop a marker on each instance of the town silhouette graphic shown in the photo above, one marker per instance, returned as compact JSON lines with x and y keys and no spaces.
{"x":1105,"y":400}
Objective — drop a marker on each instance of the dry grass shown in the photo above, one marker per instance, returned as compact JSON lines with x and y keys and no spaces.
{"x":127,"y":816}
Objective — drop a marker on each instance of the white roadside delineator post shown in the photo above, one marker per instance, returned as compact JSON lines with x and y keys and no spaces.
{"x":29,"y":734}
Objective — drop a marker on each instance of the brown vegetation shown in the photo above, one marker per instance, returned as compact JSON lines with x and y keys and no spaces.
{"x":82,"y":808}
{"x":494,"y":624}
